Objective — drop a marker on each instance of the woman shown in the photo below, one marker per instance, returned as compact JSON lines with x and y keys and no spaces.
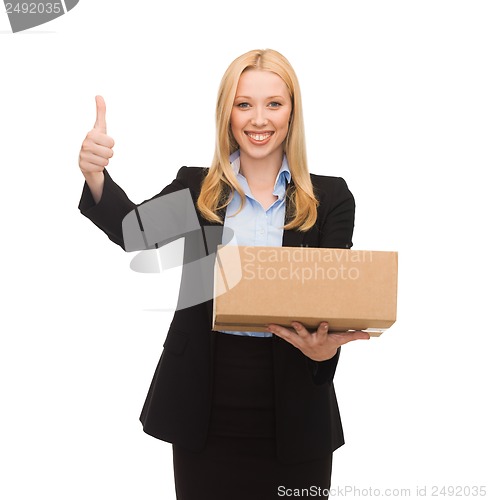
{"x":250,"y":415}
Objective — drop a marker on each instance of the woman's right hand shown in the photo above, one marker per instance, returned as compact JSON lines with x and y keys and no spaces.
{"x":96,"y":151}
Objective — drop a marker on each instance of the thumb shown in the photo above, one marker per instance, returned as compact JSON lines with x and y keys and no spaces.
{"x":100,"y":122}
{"x":355,"y":335}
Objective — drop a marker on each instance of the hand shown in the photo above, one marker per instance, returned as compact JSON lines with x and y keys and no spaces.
{"x":96,"y":149}
{"x":319,"y":345}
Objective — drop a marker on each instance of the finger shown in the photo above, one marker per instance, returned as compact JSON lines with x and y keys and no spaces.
{"x":300,"y":329}
{"x":96,"y":136}
{"x":284,"y":333}
{"x":100,"y":123}
{"x":345,"y":337}
{"x":89,"y":159}
{"x":98,"y":150}
{"x":359,"y":335}
{"x":323,"y":328}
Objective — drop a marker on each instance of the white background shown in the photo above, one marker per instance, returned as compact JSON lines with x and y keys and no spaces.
{"x":396,"y":102}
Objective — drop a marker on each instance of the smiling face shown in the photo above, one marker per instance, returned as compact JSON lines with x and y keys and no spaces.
{"x":260,"y":116}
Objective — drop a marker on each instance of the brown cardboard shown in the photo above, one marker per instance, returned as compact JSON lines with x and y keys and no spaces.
{"x":351,"y":289}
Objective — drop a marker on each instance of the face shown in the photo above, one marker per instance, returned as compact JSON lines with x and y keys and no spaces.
{"x":260,"y":115}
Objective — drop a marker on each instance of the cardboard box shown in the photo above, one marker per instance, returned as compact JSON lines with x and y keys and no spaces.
{"x":351,"y":289}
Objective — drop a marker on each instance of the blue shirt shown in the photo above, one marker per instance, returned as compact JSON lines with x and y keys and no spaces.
{"x":253,"y":225}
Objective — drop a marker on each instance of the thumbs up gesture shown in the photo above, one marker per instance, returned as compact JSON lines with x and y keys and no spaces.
{"x":96,"y":149}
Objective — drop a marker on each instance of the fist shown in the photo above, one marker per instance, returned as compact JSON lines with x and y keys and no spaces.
{"x":96,"y":149}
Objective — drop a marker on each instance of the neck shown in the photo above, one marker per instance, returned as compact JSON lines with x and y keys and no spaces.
{"x":262,"y":171}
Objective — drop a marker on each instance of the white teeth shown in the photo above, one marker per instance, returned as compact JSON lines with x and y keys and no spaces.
{"x":259,"y":137}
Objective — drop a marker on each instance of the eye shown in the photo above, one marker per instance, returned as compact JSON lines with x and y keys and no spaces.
{"x":274,"y":104}
{"x":243,"y":105}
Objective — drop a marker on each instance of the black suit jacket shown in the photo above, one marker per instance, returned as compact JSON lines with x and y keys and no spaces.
{"x":178,"y":404}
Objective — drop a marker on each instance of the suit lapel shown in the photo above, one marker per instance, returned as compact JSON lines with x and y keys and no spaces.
{"x":213,"y":237}
{"x":216,"y":230}
{"x":291,"y":238}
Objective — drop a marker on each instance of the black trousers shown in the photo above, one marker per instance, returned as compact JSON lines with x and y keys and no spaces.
{"x":239,"y":460}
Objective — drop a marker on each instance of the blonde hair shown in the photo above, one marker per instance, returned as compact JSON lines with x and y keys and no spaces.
{"x":221,"y":180}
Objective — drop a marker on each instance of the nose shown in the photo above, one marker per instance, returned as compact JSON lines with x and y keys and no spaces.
{"x":259,"y":118}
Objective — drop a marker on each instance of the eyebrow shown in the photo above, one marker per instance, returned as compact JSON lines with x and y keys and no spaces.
{"x":270,"y":97}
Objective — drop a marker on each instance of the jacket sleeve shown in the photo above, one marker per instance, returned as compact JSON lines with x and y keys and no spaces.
{"x":324,"y":371}
{"x":114,"y":204}
{"x":335,"y":232}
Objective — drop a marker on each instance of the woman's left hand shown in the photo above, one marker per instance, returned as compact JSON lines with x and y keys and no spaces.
{"x":319,"y":345}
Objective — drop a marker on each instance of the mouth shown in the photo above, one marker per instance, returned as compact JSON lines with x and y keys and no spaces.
{"x":259,"y":137}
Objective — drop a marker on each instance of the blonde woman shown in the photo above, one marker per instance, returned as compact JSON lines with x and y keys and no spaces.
{"x":250,"y":415}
